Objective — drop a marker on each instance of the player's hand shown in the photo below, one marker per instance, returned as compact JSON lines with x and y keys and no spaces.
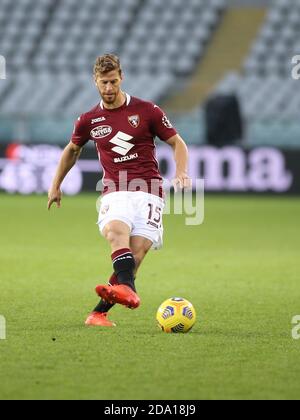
{"x":182,"y":182}
{"x":54,"y":196}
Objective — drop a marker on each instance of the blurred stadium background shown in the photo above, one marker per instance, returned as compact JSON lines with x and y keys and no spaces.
{"x":222,"y":69}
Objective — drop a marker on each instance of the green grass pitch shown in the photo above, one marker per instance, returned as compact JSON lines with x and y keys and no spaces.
{"x":240,"y":269}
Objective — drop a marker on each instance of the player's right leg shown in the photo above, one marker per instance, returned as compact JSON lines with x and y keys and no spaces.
{"x":140,"y":247}
{"x":99,"y":316}
{"x":117,"y":234}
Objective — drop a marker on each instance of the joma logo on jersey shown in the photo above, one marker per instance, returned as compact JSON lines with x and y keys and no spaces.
{"x":98,"y":120}
{"x":101,"y":131}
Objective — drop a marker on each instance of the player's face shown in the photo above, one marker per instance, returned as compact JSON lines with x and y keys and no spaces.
{"x":109,"y":86}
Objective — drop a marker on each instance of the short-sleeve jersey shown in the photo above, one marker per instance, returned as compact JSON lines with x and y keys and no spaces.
{"x":125,"y":141}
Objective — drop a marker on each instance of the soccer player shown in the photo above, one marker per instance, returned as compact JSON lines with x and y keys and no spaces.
{"x":130,"y":218}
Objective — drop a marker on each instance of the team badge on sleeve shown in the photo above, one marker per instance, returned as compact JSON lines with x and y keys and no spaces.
{"x":134,"y":121}
{"x":166,"y":122}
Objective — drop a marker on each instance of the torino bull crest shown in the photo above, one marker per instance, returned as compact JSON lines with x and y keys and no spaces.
{"x":134,"y":121}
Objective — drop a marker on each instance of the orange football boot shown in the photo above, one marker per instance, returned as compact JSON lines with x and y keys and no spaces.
{"x":120,"y":293}
{"x":98,"y":319}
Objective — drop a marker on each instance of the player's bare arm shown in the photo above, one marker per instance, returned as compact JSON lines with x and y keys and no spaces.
{"x":182,"y":180}
{"x":68,"y":159}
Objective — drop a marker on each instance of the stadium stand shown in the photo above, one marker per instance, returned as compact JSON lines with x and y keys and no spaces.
{"x":267,"y":70}
{"x":267,"y":92}
{"x":51,"y":45}
{"x":225,"y":53}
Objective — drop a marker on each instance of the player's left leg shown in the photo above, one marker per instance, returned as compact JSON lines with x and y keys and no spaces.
{"x":139,"y":247}
{"x":117,"y":234}
{"x":144,"y":236}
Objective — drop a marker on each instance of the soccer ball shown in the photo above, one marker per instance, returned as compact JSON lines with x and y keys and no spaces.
{"x":176,"y":315}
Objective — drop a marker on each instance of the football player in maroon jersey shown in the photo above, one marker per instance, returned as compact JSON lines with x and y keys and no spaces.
{"x":124,"y":129}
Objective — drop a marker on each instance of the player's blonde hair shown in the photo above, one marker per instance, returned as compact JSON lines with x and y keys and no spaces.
{"x":107,"y":63}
